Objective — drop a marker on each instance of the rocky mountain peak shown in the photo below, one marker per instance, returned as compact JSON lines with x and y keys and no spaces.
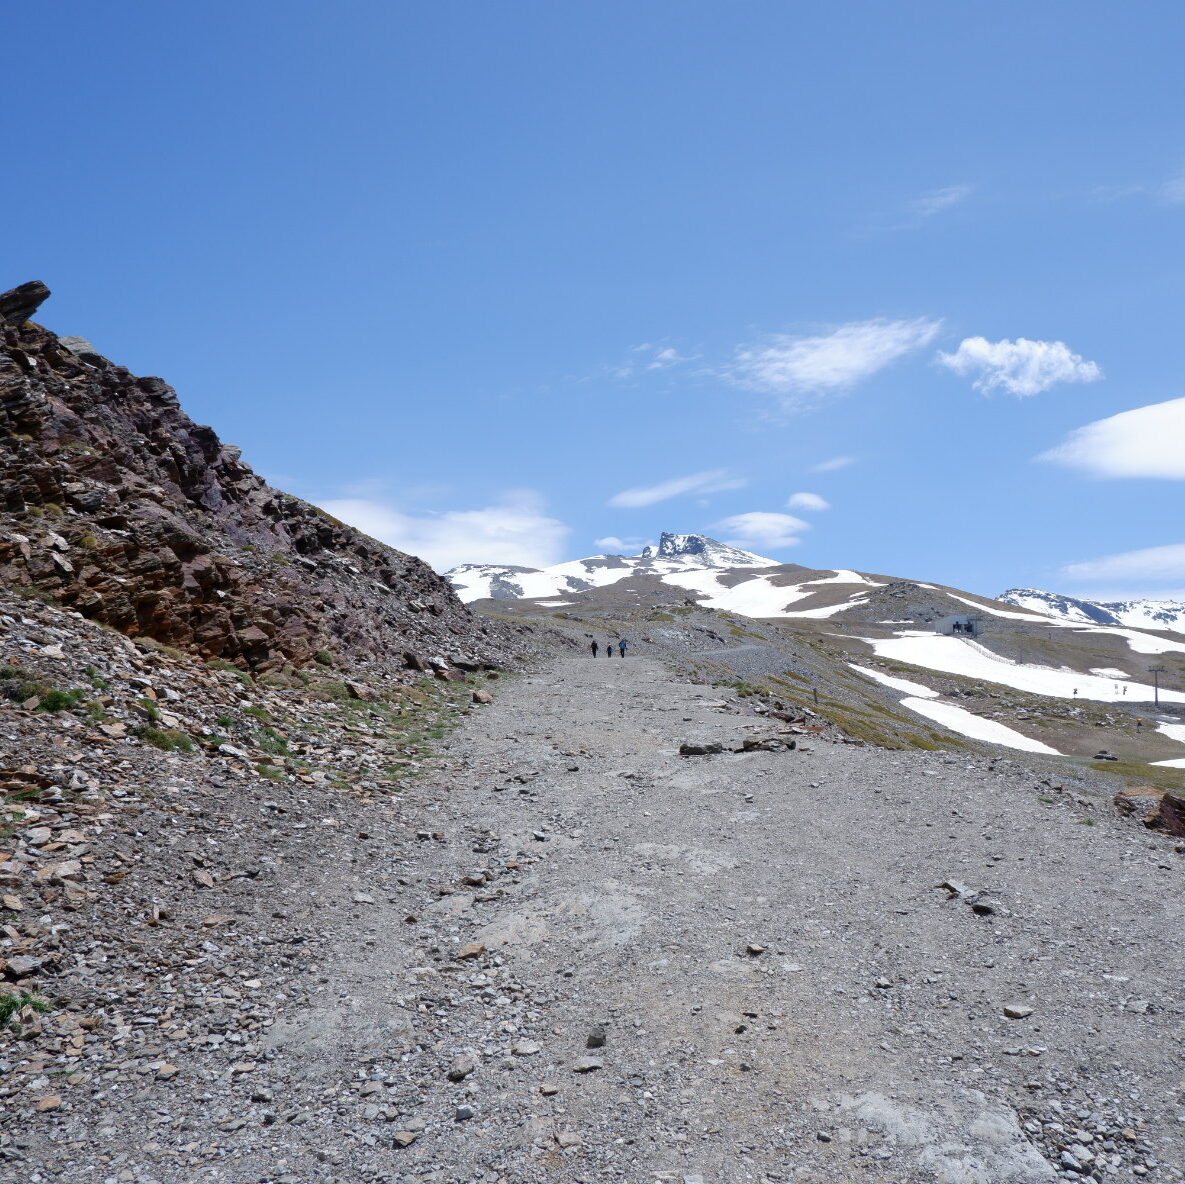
{"x":710,"y":552}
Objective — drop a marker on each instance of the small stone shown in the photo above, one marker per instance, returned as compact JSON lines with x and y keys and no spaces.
{"x":823,"y":1136}
{"x":753,"y":950}
{"x":464,"y":1113}
{"x":596,"y":1038}
{"x":22,"y":965}
{"x":587,"y":1065}
{"x":1017,"y":1011}
{"x":48,"y":1102}
{"x":548,"y":1090}
{"x":363,"y":898}
{"x":466,"y":953}
{"x":526,"y":1048}
{"x":404,"y":1138}
{"x":884,"y":984}
{"x":167,"y":1072}
{"x":568,"y":1139}
{"x":461,"y":1068}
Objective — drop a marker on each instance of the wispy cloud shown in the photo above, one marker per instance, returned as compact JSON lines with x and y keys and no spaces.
{"x":939,"y":200}
{"x":712,"y":481}
{"x":1167,"y":192}
{"x":515,"y":530}
{"x":648,"y":358}
{"x":919,"y":210}
{"x":1143,"y":442}
{"x":762,"y":528}
{"x":802,"y":371}
{"x":1149,"y":564}
{"x":836,"y":462}
{"x":1021,"y":367}
{"x":807,"y":501}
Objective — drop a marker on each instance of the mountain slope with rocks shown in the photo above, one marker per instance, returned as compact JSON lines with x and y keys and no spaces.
{"x":114,"y":503}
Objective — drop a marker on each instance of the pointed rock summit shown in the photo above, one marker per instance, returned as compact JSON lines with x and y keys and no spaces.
{"x":707,"y":551}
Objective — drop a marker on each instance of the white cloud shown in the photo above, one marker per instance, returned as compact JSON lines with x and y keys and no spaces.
{"x":802,"y":370}
{"x":713,"y":481}
{"x":1021,"y":367}
{"x":615,"y":546}
{"x":933,"y":203}
{"x":1143,"y":442}
{"x":516,"y":530}
{"x":648,"y":357}
{"x":761,"y":528}
{"x":836,"y":462}
{"x":807,"y":501}
{"x":1152,"y":563}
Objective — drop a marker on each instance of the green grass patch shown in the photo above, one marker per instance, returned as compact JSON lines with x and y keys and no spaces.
{"x":1134,"y":773}
{"x":13,"y":1003}
{"x":166,"y":739}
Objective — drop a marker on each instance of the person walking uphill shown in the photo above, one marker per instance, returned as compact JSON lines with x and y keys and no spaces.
{"x":621,"y":646}
{"x":594,"y":647}
{"x":609,"y":649}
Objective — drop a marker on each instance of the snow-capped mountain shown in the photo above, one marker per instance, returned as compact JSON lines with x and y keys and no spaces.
{"x":675,"y":553}
{"x":1135,"y":614}
{"x":699,"y":568}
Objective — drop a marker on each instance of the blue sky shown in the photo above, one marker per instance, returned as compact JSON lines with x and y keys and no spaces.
{"x":497,"y":281}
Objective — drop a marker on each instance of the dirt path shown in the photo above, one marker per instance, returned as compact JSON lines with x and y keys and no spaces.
{"x":784,"y":991}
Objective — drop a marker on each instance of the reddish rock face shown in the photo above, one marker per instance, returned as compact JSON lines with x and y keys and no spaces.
{"x":116,"y":504}
{"x":1157,"y":809}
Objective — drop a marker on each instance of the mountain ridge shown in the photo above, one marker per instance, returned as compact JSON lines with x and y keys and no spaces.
{"x":1145,"y":613}
{"x":115,"y":504}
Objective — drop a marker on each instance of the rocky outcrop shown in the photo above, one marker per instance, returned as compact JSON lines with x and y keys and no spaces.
{"x":19,"y":304}
{"x":113,"y":502}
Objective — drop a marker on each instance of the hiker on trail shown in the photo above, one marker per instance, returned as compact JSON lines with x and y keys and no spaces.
{"x":621,"y":646}
{"x":594,"y":647}
{"x":609,"y":649}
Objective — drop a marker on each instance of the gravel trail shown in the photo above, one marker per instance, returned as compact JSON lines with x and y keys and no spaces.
{"x":604,"y":961}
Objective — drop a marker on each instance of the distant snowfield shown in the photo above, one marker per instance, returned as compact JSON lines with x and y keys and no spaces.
{"x":955,"y":655}
{"x":1140,"y":643}
{"x":920,"y":700}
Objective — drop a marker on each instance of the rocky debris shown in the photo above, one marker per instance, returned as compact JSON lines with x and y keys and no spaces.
{"x":1156,"y":808}
{"x":166,"y":893}
{"x":114,"y":503}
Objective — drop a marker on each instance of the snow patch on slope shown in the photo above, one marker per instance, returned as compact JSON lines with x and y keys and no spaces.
{"x":920,"y":699}
{"x":954,"y":655}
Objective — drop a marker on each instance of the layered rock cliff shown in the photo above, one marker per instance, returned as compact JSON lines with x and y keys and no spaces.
{"x":113,"y":502}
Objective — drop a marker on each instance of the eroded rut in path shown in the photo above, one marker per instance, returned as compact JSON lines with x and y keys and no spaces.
{"x":620,"y":964}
